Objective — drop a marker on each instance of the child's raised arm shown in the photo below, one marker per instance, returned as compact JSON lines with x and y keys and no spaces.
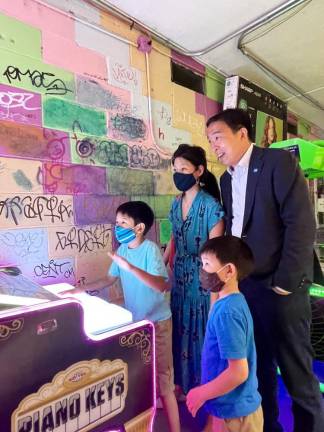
{"x":158,"y":283}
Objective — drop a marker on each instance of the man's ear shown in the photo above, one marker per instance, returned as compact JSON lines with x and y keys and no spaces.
{"x":244,"y":133}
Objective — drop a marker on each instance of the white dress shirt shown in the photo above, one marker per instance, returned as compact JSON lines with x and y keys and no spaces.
{"x":239,"y":174}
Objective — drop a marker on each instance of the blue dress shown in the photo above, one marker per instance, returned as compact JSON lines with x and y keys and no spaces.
{"x":189,"y":302}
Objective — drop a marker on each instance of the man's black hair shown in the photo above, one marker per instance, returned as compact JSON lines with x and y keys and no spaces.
{"x":230,"y":249}
{"x":235,"y":119}
{"x":139,"y":211}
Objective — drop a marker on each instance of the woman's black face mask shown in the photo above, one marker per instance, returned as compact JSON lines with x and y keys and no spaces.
{"x":184,"y":182}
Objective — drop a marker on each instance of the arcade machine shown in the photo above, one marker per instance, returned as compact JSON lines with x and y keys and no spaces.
{"x":71,"y":364}
{"x":311,"y":159}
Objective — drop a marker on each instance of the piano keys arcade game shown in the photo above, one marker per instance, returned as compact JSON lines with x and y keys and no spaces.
{"x":63,"y":370}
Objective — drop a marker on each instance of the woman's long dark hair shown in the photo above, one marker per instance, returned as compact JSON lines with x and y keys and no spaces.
{"x":197,"y":156}
{"x":264,"y":140}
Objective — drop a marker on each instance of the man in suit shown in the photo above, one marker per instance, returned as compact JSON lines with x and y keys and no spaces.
{"x":266,"y":201}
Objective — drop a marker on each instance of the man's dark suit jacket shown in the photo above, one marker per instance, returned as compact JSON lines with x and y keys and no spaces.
{"x":279,"y":224}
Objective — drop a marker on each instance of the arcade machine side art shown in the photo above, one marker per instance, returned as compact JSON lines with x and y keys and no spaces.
{"x":57,"y":376}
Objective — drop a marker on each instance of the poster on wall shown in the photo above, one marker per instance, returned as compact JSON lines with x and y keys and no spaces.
{"x":268,"y":113}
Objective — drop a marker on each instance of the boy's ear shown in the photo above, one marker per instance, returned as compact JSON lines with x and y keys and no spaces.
{"x":232,"y":270}
{"x":141,"y":227}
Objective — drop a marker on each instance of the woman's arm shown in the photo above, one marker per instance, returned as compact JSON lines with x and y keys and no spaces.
{"x":217,"y":230}
{"x":166,"y":254}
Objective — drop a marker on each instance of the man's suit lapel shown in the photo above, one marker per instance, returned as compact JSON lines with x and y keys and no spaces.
{"x":255,"y":168}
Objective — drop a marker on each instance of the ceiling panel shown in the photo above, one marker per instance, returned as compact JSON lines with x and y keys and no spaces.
{"x":193,"y":24}
{"x":294,"y":49}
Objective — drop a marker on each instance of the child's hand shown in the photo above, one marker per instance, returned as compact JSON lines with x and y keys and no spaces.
{"x":195,"y":399}
{"x":76,"y":290}
{"x":120,"y":261}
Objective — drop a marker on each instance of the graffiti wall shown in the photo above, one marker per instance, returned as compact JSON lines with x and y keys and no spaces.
{"x":87,"y":121}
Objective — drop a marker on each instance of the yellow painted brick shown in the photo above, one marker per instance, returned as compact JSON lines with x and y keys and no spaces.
{"x":161,"y":89}
{"x":216,"y":168}
{"x":160,"y":63}
{"x":137,"y":59}
{"x":203,"y":142}
{"x":192,"y":122}
{"x":160,"y":47}
{"x":183,"y":98}
{"x":163,"y":183}
{"x":119,"y":27}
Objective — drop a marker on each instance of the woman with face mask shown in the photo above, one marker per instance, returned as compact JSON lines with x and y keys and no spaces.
{"x":196,"y":215}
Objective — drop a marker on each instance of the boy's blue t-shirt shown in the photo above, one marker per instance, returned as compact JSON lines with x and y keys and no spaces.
{"x":229,"y":335}
{"x":144,"y":302}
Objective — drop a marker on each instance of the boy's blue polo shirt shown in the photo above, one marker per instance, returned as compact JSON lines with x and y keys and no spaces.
{"x":229,"y":335}
{"x":144,"y":302}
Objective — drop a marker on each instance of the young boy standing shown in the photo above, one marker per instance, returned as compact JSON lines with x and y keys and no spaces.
{"x":229,"y":389}
{"x":139,"y":265}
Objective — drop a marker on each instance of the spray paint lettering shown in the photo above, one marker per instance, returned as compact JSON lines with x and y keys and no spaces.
{"x":92,"y":239}
{"x":124,"y":75}
{"x":127,"y":127}
{"x":53,"y":270}
{"x":39,"y":207}
{"x":20,"y":106}
{"x":47,"y":80}
{"x":23,"y":244}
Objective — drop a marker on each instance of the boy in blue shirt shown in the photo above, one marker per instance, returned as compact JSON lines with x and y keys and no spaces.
{"x":229,"y":387}
{"x":139,"y":265}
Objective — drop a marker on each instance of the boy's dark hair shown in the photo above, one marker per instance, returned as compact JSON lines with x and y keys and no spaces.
{"x":139,"y":211}
{"x":197,"y":156}
{"x":230,"y":249}
{"x":235,"y":119}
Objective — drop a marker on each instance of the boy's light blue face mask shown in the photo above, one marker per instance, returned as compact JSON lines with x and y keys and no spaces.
{"x":124,"y":235}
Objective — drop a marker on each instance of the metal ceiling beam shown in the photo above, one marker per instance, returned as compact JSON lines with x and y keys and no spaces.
{"x":280,"y":79}
{"x":274,"y":13}
{"x":241,"y":32}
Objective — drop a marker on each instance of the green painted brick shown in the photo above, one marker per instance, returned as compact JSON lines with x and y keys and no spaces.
{"x":165,"y":231}
{"x":215,"y":85}
{"x":19,"y":37}
{"x":123,"y":181}
{"x":68,"y":116}
{"x":160,"y":204}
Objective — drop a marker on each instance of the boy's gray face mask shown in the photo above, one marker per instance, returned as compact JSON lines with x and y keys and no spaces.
{"x":211,"y":281}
